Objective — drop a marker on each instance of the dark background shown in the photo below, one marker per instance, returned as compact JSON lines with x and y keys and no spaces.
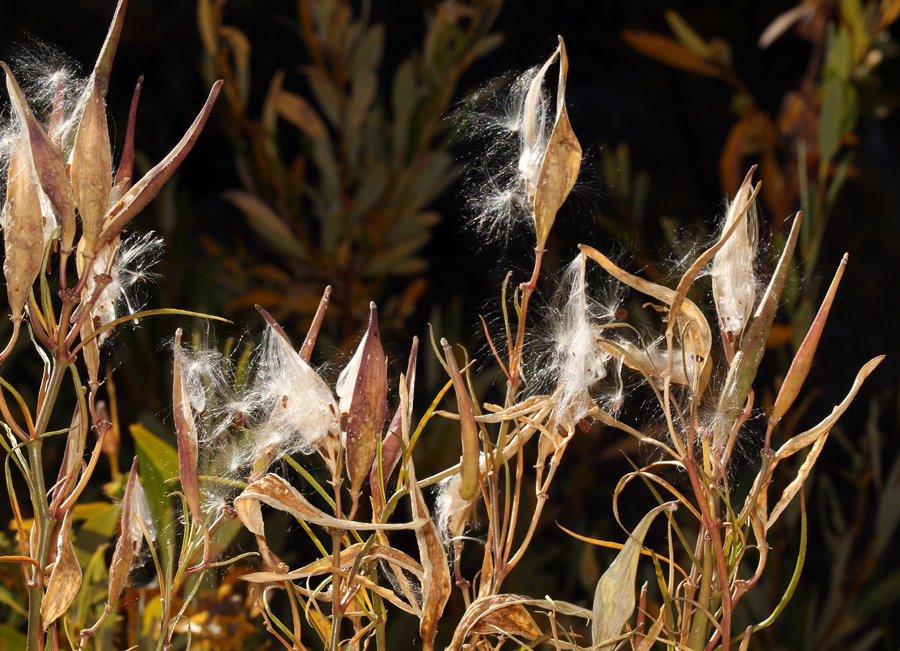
{"x":675,"y":124}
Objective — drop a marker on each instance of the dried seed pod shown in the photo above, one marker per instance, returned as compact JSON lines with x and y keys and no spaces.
{"x":24,"y":226}
{"x":390,"y":446}
{"x":560,"y":163}
{"x":91,"y":167}
{"x":48,"y":165}
{"x":362,"y":390}
{"x":128,"y":544}
{"x":733,"y":282}
{"x":185,"y":433}
{"x":468,"y":469}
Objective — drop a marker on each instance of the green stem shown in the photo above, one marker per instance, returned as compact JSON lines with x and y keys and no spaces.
{"x":42,"y":518}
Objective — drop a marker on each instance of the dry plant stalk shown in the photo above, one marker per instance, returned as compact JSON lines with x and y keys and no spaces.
{"x":231,"y":433}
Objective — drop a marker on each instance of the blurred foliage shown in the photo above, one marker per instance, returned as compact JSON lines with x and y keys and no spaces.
{"x":805,"y":152}
{"x":343,"y":201}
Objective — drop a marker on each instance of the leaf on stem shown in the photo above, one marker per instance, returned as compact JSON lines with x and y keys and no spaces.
{"x":65,"y":580}
{"x":668,"y":51}
{"x":279,"y":494}
{"x":614,"y":599}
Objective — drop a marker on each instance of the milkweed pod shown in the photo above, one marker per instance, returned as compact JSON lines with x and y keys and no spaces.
{"x":23,"y":224}
{"x":733,"y":281}
{"x":468,"y":469}
{"x":48,"y":165}
{"x":560,"y":163}
{"x":126,"y":546}
{"x":185,"y":434}
{"x":91,"y":166}
{"x":362,"y":391}
{"x":390,"y":445}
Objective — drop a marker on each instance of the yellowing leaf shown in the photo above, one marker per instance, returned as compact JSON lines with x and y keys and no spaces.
{"x":614,"y":599}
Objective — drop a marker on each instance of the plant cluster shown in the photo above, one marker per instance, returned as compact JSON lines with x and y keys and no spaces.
{"x":241,"y":424}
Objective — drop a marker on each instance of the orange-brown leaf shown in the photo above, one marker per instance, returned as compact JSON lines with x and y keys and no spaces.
{"x":668,"y":51}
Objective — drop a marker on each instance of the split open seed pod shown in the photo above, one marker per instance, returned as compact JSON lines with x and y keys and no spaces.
{"x":362,"y":390}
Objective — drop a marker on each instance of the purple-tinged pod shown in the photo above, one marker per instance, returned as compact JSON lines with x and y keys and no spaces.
{"x":469,"y":481}
{"x":185,"y":434}
{"x":802,"y":362}
{"x":125,"y":172}
{"x":390,"y":445}
{"x":362,"y":390}
{"x":127,"y":545}
{"x":47,"y":160}
{"x":140,"y":194}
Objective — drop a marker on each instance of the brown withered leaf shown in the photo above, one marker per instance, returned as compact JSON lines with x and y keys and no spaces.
{"x":816,"y":436}
{"x":561,"y":162}
{"x":513,"y":621}
{"x":347,"y":558}
{"x":65,"y":580}
{"x":279,"y":494}
{"x":91,"y":166}
{"x":484,"y":606}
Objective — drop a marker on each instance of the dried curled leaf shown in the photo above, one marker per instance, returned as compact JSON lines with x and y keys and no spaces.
{"x":65,"y":580}
{"x":279,"y":494}
{"x":485,"y":606}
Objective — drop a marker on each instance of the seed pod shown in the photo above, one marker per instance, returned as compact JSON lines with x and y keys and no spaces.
{"x":186,"y":434}
{"x":362,"y":390}
{"x":469,"y":481}
{"x":733,"y":280}
{"x":390,"y":446}
{"x":49,"y":166}
{"x":91,"y":165}
{"x":127,"y":545}
{"x":24,"y":225}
